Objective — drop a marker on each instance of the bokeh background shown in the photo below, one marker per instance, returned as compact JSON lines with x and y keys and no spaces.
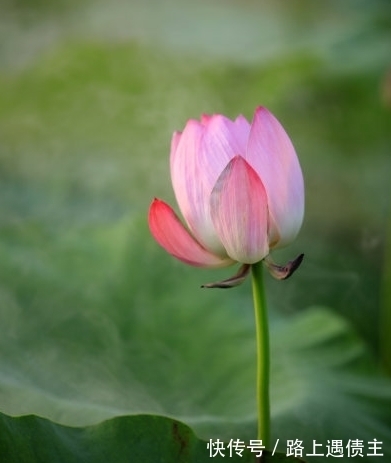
{"x":96,"y":320}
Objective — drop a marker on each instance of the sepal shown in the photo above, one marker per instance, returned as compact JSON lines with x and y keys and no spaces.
{"x":282,"y":272}
{"x":233,"y":281}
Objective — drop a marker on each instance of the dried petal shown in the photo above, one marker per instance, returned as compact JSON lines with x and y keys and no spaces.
{"x":282,"y":272}
{"x":235,"y":280}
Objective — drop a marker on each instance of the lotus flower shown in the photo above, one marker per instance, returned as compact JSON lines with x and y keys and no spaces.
{"x":240,"y":190}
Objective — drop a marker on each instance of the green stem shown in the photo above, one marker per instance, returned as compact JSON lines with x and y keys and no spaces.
{"x":263,"y":354}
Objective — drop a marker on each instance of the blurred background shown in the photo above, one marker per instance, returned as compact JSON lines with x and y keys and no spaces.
{"x":96,"y":319}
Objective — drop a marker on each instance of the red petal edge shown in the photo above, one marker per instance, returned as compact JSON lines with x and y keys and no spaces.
{"x":169,"y":232}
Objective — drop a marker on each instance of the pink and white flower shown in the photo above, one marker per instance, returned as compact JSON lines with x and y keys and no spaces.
{"x":239,"y":187}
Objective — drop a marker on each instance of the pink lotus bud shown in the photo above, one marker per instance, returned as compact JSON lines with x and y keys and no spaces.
{"x":239,"y":188}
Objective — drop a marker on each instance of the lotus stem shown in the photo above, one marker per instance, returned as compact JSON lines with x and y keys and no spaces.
{"x":263,"y":355}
